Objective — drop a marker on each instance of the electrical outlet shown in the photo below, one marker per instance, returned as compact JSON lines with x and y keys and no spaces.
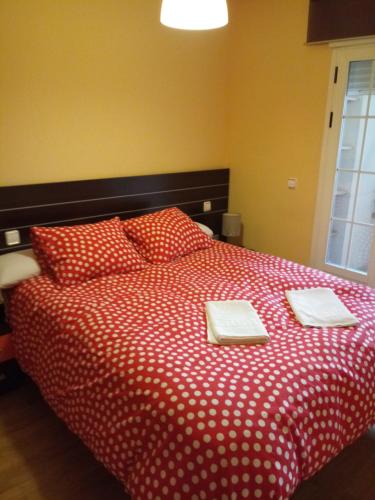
{"x":207,"y":207}
{"x":292,"y":183}
{"x":12,"y":238}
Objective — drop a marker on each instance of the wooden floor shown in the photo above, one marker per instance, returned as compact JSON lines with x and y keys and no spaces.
{"x":41,"y":459}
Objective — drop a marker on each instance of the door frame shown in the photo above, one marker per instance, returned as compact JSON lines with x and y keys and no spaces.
{"x":342,"y":54}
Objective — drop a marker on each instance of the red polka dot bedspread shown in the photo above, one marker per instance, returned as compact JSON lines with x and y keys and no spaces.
{"x":124,"y":361}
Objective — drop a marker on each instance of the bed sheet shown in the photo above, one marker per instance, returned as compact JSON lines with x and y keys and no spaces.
{"x":124,"y":361}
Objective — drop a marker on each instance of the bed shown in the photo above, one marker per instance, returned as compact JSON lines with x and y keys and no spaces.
{"x":124,"y":361}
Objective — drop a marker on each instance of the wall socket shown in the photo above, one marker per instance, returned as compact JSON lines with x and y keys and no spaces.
{"x":207,"y":207}
{"x":12,"y":238}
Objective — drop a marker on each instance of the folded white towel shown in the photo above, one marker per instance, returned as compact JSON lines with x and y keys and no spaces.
{"x":319,"y":307}
{"x":234,"y":322}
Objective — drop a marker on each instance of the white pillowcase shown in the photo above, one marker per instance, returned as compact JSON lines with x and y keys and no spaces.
{"x":16,"y":267}
{"x":205,"y":229}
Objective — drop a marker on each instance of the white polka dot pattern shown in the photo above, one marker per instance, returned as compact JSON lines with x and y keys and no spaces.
{"x":76,"y":254}
{"x":163,"y":236}
{"x":125,"y":362}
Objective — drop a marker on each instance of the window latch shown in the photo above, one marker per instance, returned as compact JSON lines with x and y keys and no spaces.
{"x":336,"y":74}
{"x":331,"y":119}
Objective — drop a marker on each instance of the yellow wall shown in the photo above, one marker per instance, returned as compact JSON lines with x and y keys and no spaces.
{"x":98,"y":88}
{"x":279,"y":88}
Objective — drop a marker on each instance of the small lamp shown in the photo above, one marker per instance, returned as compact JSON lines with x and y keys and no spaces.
{"x":194,"y":14}
{"x":231,"y":225}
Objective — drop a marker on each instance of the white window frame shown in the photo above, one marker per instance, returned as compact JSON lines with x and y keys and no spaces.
{"x":342,"y":54}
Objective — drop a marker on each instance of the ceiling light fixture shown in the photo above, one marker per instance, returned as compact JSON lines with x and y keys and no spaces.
{"x":194,"y":14}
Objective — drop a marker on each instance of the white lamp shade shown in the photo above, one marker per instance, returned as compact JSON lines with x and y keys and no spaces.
{"x":194,"y":14}
{"x":231,"y":224}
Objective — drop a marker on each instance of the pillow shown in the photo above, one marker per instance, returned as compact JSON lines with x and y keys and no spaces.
{"x":16,"y":267}
{"x":164,"y":236}
{"x":76,"y":254}
{"x":207,"y":230}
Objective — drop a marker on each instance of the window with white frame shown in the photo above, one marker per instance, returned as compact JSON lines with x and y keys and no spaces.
{"x":345,"y":220}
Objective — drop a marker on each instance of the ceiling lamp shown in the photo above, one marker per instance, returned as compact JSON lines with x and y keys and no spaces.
{"x":194,"y":14}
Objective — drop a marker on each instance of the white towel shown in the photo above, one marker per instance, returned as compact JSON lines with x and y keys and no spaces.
{"x":319,"y":307}
{"x":234,"y":322}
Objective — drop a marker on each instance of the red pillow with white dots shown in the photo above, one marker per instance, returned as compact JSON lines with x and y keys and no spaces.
{"x":76,"y":254}
{"x":164,"y":236}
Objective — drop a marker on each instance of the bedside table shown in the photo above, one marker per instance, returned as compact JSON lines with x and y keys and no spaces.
{"x":235,"y":240}
{"x":10,"y":373}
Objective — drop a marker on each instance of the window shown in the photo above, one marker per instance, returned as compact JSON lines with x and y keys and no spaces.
{"x":345,"y":222}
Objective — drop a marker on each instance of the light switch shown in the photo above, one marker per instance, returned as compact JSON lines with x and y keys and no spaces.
{"x":207,"y":206}
{"x":12,"y":238}
{"x":292,"y":183}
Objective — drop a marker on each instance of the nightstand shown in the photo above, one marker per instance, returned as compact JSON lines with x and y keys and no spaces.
{"x":234,"y":240}
{"x":10,"y":373}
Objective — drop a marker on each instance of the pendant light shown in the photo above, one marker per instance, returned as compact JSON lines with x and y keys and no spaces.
{"x":194,"y":14}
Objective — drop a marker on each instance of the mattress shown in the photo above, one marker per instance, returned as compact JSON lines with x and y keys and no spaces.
{"x":124,"y":361}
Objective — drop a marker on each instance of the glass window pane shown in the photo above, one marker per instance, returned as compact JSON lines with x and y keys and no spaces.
{"x":356,"y":105}
{"x":351,"y":143}
{"x":360,"y":73}
{"x":338,"y":243}
{"x":372,"y":105}
{"x":358,"y":90}
{"x":368,"y":162}
{"x":360,"y":248}
{"x":365,"y":205}
{"x":372,"y":92}
{"x":343,"y":202}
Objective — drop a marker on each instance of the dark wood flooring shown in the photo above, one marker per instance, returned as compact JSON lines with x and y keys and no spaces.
{"x":41,"y":460}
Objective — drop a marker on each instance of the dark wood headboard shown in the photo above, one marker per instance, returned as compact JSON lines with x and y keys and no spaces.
{"x":80,"y":202}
